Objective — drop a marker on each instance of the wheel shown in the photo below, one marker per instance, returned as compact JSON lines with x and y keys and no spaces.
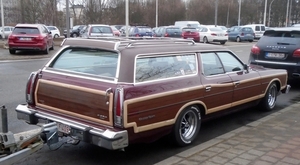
{"x":46,"y":51}
{"x":238,"y":39}
{"x":269,"y":101}
{"x":250,"y":40}
{"x":222,"y":43}
{"x":205,"y":40}
{"x":187,"y":126}
{"x":56,"y":36}
{"x":12,"y":51}
{"x":74,"y":35}
{"x":52,"y":47}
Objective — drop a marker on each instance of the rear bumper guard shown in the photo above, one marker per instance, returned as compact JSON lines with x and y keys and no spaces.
{"x":105,"y":138}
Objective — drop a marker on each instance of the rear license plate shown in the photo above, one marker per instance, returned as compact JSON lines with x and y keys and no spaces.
{"x":63,"y":128}
{"x":275,"y":55}
{"x":25,"y":39}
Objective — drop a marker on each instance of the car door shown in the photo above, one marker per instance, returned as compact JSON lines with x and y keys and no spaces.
{"x":247,"y":83}
{"x":217,"y":84}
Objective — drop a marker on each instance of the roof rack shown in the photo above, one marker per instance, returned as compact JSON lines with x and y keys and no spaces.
{"x":127,"y":42}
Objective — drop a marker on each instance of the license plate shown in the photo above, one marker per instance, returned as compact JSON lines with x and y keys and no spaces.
{"x":275,"y":55}
{"x":248,"y":34}
{"x":63,"y":128}
{"x":25,"y":39}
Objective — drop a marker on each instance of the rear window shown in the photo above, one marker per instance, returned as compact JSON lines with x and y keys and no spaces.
{"x":87,"y":61}
{"x":172,"y":30}
{"x":285,"y":34}
{"x":144,"y":29}
{"x":247,"y":29}
{"x":189,"y":30}
{"x":215,"y":29}
{"x":163,"y":67}
{"x":26,"y":30}
{"x":101,"y":29}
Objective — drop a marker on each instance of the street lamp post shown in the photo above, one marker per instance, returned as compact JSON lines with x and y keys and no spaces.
{"x":270,"y":7}
{"x":2,"y":20}
{"x":156,"y":11}
{"x":239,"y":19}
{"x":265,"y":12}
{"x":287,"y":13}
{"x":216,"y":12}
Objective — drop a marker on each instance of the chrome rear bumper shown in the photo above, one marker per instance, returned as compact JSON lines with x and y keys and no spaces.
{"x":105,"y":138}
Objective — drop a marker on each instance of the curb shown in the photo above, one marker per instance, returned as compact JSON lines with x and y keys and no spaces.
{"x":203,"y":146}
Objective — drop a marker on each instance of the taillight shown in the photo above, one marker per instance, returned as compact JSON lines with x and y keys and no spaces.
{"x":166,"y":35}
{"x":242,"y":34}
{"x":119,"y":107}
{"x":137,"y":35}
{"x":213,"y":34}
{"x":296,"y":53}
{"x":255,"y":50}
{"x":29,"y":88}
{"x":39,"y":38}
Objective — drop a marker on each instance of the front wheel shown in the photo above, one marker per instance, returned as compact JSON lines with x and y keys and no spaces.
{"x":269,"y":101}
{"x":187,"y":126}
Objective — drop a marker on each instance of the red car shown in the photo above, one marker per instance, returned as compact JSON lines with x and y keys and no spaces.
{"x":191,"y":33}
{"x":30,"y":37}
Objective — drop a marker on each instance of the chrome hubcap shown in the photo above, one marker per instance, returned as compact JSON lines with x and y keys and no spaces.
{"x":188,"y":125}
{"x":272,"y":96}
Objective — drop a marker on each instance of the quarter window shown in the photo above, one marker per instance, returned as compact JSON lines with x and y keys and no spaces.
{"x":162,"y":67}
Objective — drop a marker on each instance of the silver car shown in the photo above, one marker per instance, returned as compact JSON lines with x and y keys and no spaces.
{"x":97,"y":31}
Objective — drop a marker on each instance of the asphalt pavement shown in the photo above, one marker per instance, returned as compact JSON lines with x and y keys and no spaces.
{"x":272,"y":140}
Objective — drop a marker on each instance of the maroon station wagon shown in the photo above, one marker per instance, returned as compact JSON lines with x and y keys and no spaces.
{"x":116,"y":92}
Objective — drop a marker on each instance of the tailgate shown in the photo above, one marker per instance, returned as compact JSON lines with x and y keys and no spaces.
{"x":90,"y":104}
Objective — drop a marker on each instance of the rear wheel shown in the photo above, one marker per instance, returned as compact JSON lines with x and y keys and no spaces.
{"x":222,"y":43}
{"x":269,"y":101}
{"x":56,"y":36}
{"x":238,"y":39}
{"x":52,"y":47}
{"x":74,"y":35}
{"x":250,"y":40}
{"x":12,"y":51}
{"x":205,"y":40}
{"x":187,"y":126}
{"x":46,"y":51}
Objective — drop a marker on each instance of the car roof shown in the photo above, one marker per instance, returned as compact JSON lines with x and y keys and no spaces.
{"x":99,"y":25}
{"x":28,"y":25}
{"x":284,"y":29}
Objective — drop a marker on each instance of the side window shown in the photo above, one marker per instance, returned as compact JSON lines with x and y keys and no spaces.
{"x":257,"y":28}
{"x":230,"y":62}
{"x":162,"y":67}
{"x":211,"y":64}
{"x":263,"y":28}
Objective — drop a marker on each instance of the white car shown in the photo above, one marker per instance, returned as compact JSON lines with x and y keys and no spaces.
{"x":212,"y":34}
{"x":7,"y":31}
{"x":54,"y":31}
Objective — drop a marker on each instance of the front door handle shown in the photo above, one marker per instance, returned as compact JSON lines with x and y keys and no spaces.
{"x":236,"y":83}
{"x":207,"y":88}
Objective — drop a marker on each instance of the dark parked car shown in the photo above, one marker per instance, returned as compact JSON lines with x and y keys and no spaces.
{"x":240,"y":33}
{"x":168,"y":31}
{"x":140,"y":31}
{"x":278,"y":48}
{"x":30,"y":37}
{"x":75,"y":31}
{"x":191,"y":33}
{"x":113,"y":93}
